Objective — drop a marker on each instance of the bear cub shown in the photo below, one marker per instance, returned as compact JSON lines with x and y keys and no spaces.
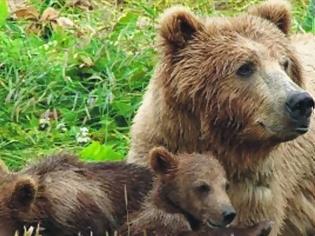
{"x":189,"y":197}
{"x":67,"y":197}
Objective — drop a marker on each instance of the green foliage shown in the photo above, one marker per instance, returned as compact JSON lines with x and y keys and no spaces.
{"x":96,"y":151}
{"x":309,"y":22}
{"x":4,"y":13}
{"x":92,"y":75}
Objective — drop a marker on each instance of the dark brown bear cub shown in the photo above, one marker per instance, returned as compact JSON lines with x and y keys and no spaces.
{"x":188,"y":198}
{"x":68,"y":197}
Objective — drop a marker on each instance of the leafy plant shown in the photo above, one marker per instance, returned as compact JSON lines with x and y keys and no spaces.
{"x":81,"y":67}
{"x":4,"y":13}
{"x":96,"y":151}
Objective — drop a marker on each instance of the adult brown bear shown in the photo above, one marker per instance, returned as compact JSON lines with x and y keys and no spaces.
{"x":237,"y":87}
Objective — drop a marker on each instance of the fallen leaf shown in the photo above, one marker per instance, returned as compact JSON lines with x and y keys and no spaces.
{"x":50,"y":14}
{"x":86,"y":61}
{"x":16,"y":4}
{"x":50,"y":17}
{"x":34,"y":28}
{"x":143,"y":22}
{"x":50,"y":115}
{"x":64,"y":22}
{"x":26,"y":13}
{"x":82,"y":4}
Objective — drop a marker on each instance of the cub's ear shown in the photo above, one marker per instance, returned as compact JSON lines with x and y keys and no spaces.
{"x":162,"y":161}
{"x":24,"y":193}
{"x":276,"y":11}
{"x":177,"y":26}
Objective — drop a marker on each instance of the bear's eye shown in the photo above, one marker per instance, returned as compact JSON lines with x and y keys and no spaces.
{"x":285,"y":64}
{"x":246,"y":70}
{"x":203,"y":188}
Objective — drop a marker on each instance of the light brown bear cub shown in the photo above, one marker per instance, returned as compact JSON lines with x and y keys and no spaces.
{"x":188,"y":198}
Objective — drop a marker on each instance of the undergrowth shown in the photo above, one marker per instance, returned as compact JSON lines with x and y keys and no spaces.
{"x":76,"y":85}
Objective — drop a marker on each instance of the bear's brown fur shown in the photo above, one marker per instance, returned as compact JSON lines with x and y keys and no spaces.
{"x":67,"y":197}
{"x":201,"y":99}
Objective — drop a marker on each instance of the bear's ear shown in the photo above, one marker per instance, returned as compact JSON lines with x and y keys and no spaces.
{"x":162,"y":161}
{"x":24,"y":193}
{"x":276,"y":11}
{"x":177,"y":26}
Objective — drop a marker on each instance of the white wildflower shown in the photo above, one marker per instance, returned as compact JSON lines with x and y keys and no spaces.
{"x":44,"y":123}
{"x":143,"y":22}
{"x":83,"y":136}
{"x":62,"y":127}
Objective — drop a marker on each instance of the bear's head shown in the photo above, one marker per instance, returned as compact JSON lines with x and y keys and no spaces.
{"x":238,"y":75}
{"x":17,"y":196}
{"x":194,"y":185}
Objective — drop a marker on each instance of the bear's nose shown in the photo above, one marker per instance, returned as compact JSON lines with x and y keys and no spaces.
{"x":300,"y":106}
{"x":228,"y":215}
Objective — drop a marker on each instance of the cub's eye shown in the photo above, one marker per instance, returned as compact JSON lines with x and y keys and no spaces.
{"x":203,"y":188}
{"x":227,"y":186}
{"x":246,"y":70}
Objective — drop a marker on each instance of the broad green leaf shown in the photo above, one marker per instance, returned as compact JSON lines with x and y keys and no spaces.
{"x":97,"y":152}
{"x":122,"y":108}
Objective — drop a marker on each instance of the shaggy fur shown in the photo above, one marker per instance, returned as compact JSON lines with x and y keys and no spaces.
{"x":66,"y":196}
{"x":197,"y":102}
{"x":189,"y":192}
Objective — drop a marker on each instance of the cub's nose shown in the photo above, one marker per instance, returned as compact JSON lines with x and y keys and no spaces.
{"x":300,"y":106}
{"x":228,"y":215}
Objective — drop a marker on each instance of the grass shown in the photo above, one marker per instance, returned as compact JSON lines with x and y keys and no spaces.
{"x":54,"y":81}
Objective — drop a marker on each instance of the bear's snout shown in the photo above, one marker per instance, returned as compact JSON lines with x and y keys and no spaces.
{"x":299,"y":107}
{"x":228,"y":215}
